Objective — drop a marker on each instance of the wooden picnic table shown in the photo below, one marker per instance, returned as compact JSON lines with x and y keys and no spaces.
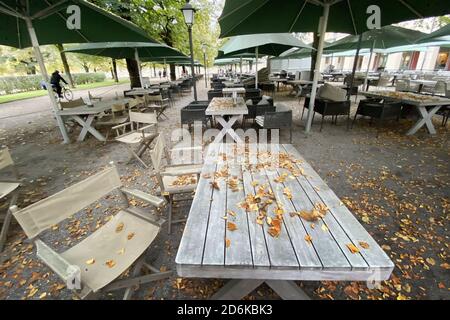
{"x":85,"y":116}
{"x":220,"y":108}
{"x":237,"y":186}
{"x":426,"y":105}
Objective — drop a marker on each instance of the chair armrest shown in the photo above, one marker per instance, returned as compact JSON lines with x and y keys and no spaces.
{"x":178,"y":170}
{"x":56,"y":262}
{"x":147,"y":127}
{"x":121,"y":126}
{"x":187,"y":149}
{"x":157,"y":202}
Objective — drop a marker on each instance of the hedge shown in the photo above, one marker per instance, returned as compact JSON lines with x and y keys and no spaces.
{"x":18,"y":84}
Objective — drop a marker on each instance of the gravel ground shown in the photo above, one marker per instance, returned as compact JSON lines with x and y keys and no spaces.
{"x":397,"y":186}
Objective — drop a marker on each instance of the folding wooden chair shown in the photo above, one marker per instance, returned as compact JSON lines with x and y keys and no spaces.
{"x":158,"y":104}
{"x":98,"y":262}
{"x":137,"y":103}
{"x":92,"y":98}
{"x":8,"y":189}
{"x":174,"y":180}
{"x":117,"y":117}
{"x":139,"y":135}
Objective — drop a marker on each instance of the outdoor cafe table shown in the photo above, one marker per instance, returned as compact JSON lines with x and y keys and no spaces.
{"x":85,"y":116}
{"x":233,"y":91}
{"x":427,"y":106}
{"x":141,"y":92}
{"x":232,"y":84}
{"x":253,"y":250}
{"x":222,"y":107}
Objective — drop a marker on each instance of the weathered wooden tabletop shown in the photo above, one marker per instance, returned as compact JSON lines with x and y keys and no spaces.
{"x":226,"y":106}
{"x":273,"y":218}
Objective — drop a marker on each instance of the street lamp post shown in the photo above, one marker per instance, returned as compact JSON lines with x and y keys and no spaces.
{"x":204,"y":47}
{"x":189,"y":13}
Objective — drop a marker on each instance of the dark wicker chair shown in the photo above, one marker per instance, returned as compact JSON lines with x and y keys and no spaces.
{"x":195,"y":112}
{"x":280,"y":118}
{"x":252,"y":93}
{"x":375,"y":109}
{"x":214,"y":94}
{"x":329,"y":108}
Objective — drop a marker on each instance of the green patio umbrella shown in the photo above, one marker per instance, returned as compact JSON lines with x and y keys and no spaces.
{"x":240,"y":17}
{"x":33,"y":23}
{"x":442,"y":34}
{"x":122,"y":50}
{"x":384,"y":38}
{"x":270,"y":44}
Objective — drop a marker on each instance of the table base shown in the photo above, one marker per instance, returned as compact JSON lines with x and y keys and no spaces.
{"x":238,"y":289}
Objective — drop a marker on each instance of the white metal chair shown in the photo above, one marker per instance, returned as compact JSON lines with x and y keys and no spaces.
{"x":8,"y":189}
{"x":143,"y":129}
{"x":97,"y":263}
{"x":174,"y":180}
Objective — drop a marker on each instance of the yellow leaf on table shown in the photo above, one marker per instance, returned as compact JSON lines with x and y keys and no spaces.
{"x":310,"y":216}
{"x":121,"y":251}
{"x":353,"y":249}
{"x":308,"y":239}
{"x":227,"y":243}
{"x":119,"y":227}
{"x":287,"y":192}
{"x":259,"y":221}
{"x":110,"y":263}
{"x":324,"y":227}
{"x":269,"y":221}
{"x":364,"y":245}
{"x":90,"y":261}
{"x":215,"y":185}
{"x":231,"y":226}
{"x":130,"y":235}
{"x":255,"y":183}
{"x":231,"y":213}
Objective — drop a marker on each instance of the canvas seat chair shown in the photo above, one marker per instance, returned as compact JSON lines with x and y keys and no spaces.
{"x":142,"y":130}
{"x":93,"y":98}
{"x":8,"y":192}
{"x":98,"y":262}
{"x":137,"y":103}
{"x":157,"y":104}
{"x":117,"y":117}
{"x":168,"y":176}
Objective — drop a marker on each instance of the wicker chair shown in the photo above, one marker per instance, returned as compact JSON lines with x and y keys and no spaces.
{"x":329,"y":108}
{"x":375,"y":109}
{"x":280,"y":118}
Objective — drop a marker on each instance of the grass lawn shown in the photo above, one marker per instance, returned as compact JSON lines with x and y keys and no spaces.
{"x":40,"y":93}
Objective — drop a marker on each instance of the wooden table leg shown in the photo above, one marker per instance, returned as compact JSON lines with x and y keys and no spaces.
{"x":425,"y":120}
{"x":237,"y":289}
{"x":227,"y":128}
{"x":87,"y":127}
{"x":287,"y":290}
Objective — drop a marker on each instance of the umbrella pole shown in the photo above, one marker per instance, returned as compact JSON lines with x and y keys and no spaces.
{"x":322,"y":30}
{"x":138,"y":60}
{"x":256,"y":77}
{"x":240,"y":67}
{"x":368,"y":66}
{"x":355,"y":63}
{"x":40,"y":59}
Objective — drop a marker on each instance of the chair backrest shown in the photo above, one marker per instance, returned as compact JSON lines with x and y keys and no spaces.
{"x":402,"y":85}
{"x":72,"y":104}
{"x":146,"y":118}
{"x":118,"y":107}
{"x":153,"y":98}
{"x":440,"y":87}
{"x":157,"y":153}
{"x":48,"y":212}
{"x":5,"y":159}
{"x":214,"y":94}
{"x":280,"y":118}
{"x":263,"y":109}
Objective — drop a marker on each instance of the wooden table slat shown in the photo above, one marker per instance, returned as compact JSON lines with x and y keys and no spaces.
{"x":374,"y":256}
{"x":193,"y":240}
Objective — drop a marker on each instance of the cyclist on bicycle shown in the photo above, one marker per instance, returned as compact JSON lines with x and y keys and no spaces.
{"x":55,"y":80}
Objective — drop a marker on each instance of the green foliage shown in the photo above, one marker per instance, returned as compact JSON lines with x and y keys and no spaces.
{"x":27,"y":83}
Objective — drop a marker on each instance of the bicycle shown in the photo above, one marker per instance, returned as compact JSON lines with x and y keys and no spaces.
{"x":66,"y":93}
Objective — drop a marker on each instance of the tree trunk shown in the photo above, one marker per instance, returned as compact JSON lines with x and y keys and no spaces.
{"x":154,"y":70}
{"x":114,"y":70}
{"x":133,"y":71}
{"x":314,"y":54}
{"x":173,"y":75}
{"x":60,"y":48}
{"x":86,"y":68}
